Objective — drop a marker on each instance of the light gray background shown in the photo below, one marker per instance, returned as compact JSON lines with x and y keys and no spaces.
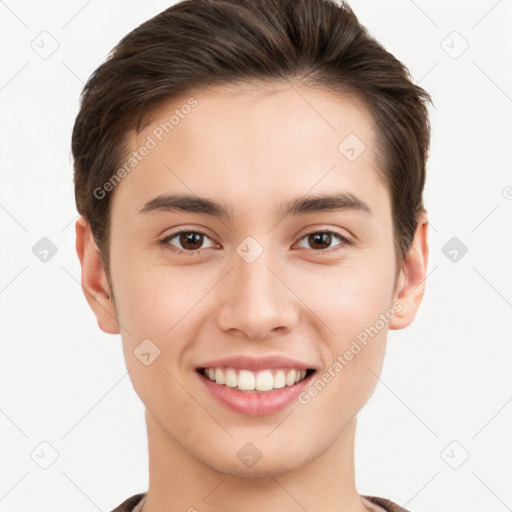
{"x":446,"y":388}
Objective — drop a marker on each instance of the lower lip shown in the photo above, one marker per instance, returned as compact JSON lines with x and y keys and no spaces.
{"x":255,"y":404}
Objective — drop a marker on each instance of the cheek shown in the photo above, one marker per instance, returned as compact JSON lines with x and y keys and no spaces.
{"x":347,"y":299}
{"x":151,"y":297}
{"x":162,"y":304}
{"x":156,"y":310}
{"x":353,"y":302}
{"x":351,"y":310}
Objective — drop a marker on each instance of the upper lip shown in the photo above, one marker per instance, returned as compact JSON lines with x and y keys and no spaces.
{"x":256,"y":363}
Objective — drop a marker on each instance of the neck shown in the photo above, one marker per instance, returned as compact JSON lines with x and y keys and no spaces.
{"x":178,"y":481}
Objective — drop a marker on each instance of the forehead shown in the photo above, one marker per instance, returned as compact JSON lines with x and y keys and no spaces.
{"x":253,"y":142}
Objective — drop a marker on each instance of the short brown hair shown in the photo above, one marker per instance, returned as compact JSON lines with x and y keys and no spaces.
{"x":197,"y":43}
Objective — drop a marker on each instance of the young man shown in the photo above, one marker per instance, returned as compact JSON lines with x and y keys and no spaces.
{"x":249,"y":175}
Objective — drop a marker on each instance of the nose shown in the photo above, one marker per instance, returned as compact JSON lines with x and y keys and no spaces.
{"x":257,"y":301}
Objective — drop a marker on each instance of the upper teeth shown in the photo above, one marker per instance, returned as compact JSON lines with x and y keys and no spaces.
{"x":246,"y":380}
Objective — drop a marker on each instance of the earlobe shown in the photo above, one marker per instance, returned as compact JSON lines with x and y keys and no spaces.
{"x":94,"y":280}
{"x":411,"y":283}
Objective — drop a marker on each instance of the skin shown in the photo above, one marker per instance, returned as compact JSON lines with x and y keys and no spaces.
{"x":253,"y":150}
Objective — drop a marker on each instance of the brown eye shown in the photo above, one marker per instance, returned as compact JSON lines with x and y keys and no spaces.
{"x":319,"y":240}
{"x":322,"y":240}
{"x":188,"y":241}
{"x":191,"y":240}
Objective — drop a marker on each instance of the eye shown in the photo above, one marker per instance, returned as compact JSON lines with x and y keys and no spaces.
{"x":190,"y":241}
{"x":321,"y":240}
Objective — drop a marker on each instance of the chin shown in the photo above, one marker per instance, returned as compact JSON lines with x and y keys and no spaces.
{"x":275,"y":465}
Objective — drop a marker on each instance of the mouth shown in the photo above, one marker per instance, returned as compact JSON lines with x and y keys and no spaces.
{"x":254,"y":382}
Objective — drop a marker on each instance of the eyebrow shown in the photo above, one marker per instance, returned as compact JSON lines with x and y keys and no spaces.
{"x":342,"y":201}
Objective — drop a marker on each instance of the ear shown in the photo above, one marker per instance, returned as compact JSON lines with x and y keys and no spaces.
{"x":94,"y":279}
{"x":411,"y":282}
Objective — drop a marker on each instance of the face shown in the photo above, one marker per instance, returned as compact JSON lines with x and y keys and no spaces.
{"x":252,"y":277}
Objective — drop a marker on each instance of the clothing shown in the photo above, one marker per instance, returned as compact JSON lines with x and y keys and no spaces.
{"x":134,"y":504}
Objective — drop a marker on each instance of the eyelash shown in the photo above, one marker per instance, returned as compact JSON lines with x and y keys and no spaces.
{"x":167,"y":239}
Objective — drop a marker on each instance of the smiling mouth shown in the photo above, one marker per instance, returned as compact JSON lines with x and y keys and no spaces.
{"x":261,"y":381}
